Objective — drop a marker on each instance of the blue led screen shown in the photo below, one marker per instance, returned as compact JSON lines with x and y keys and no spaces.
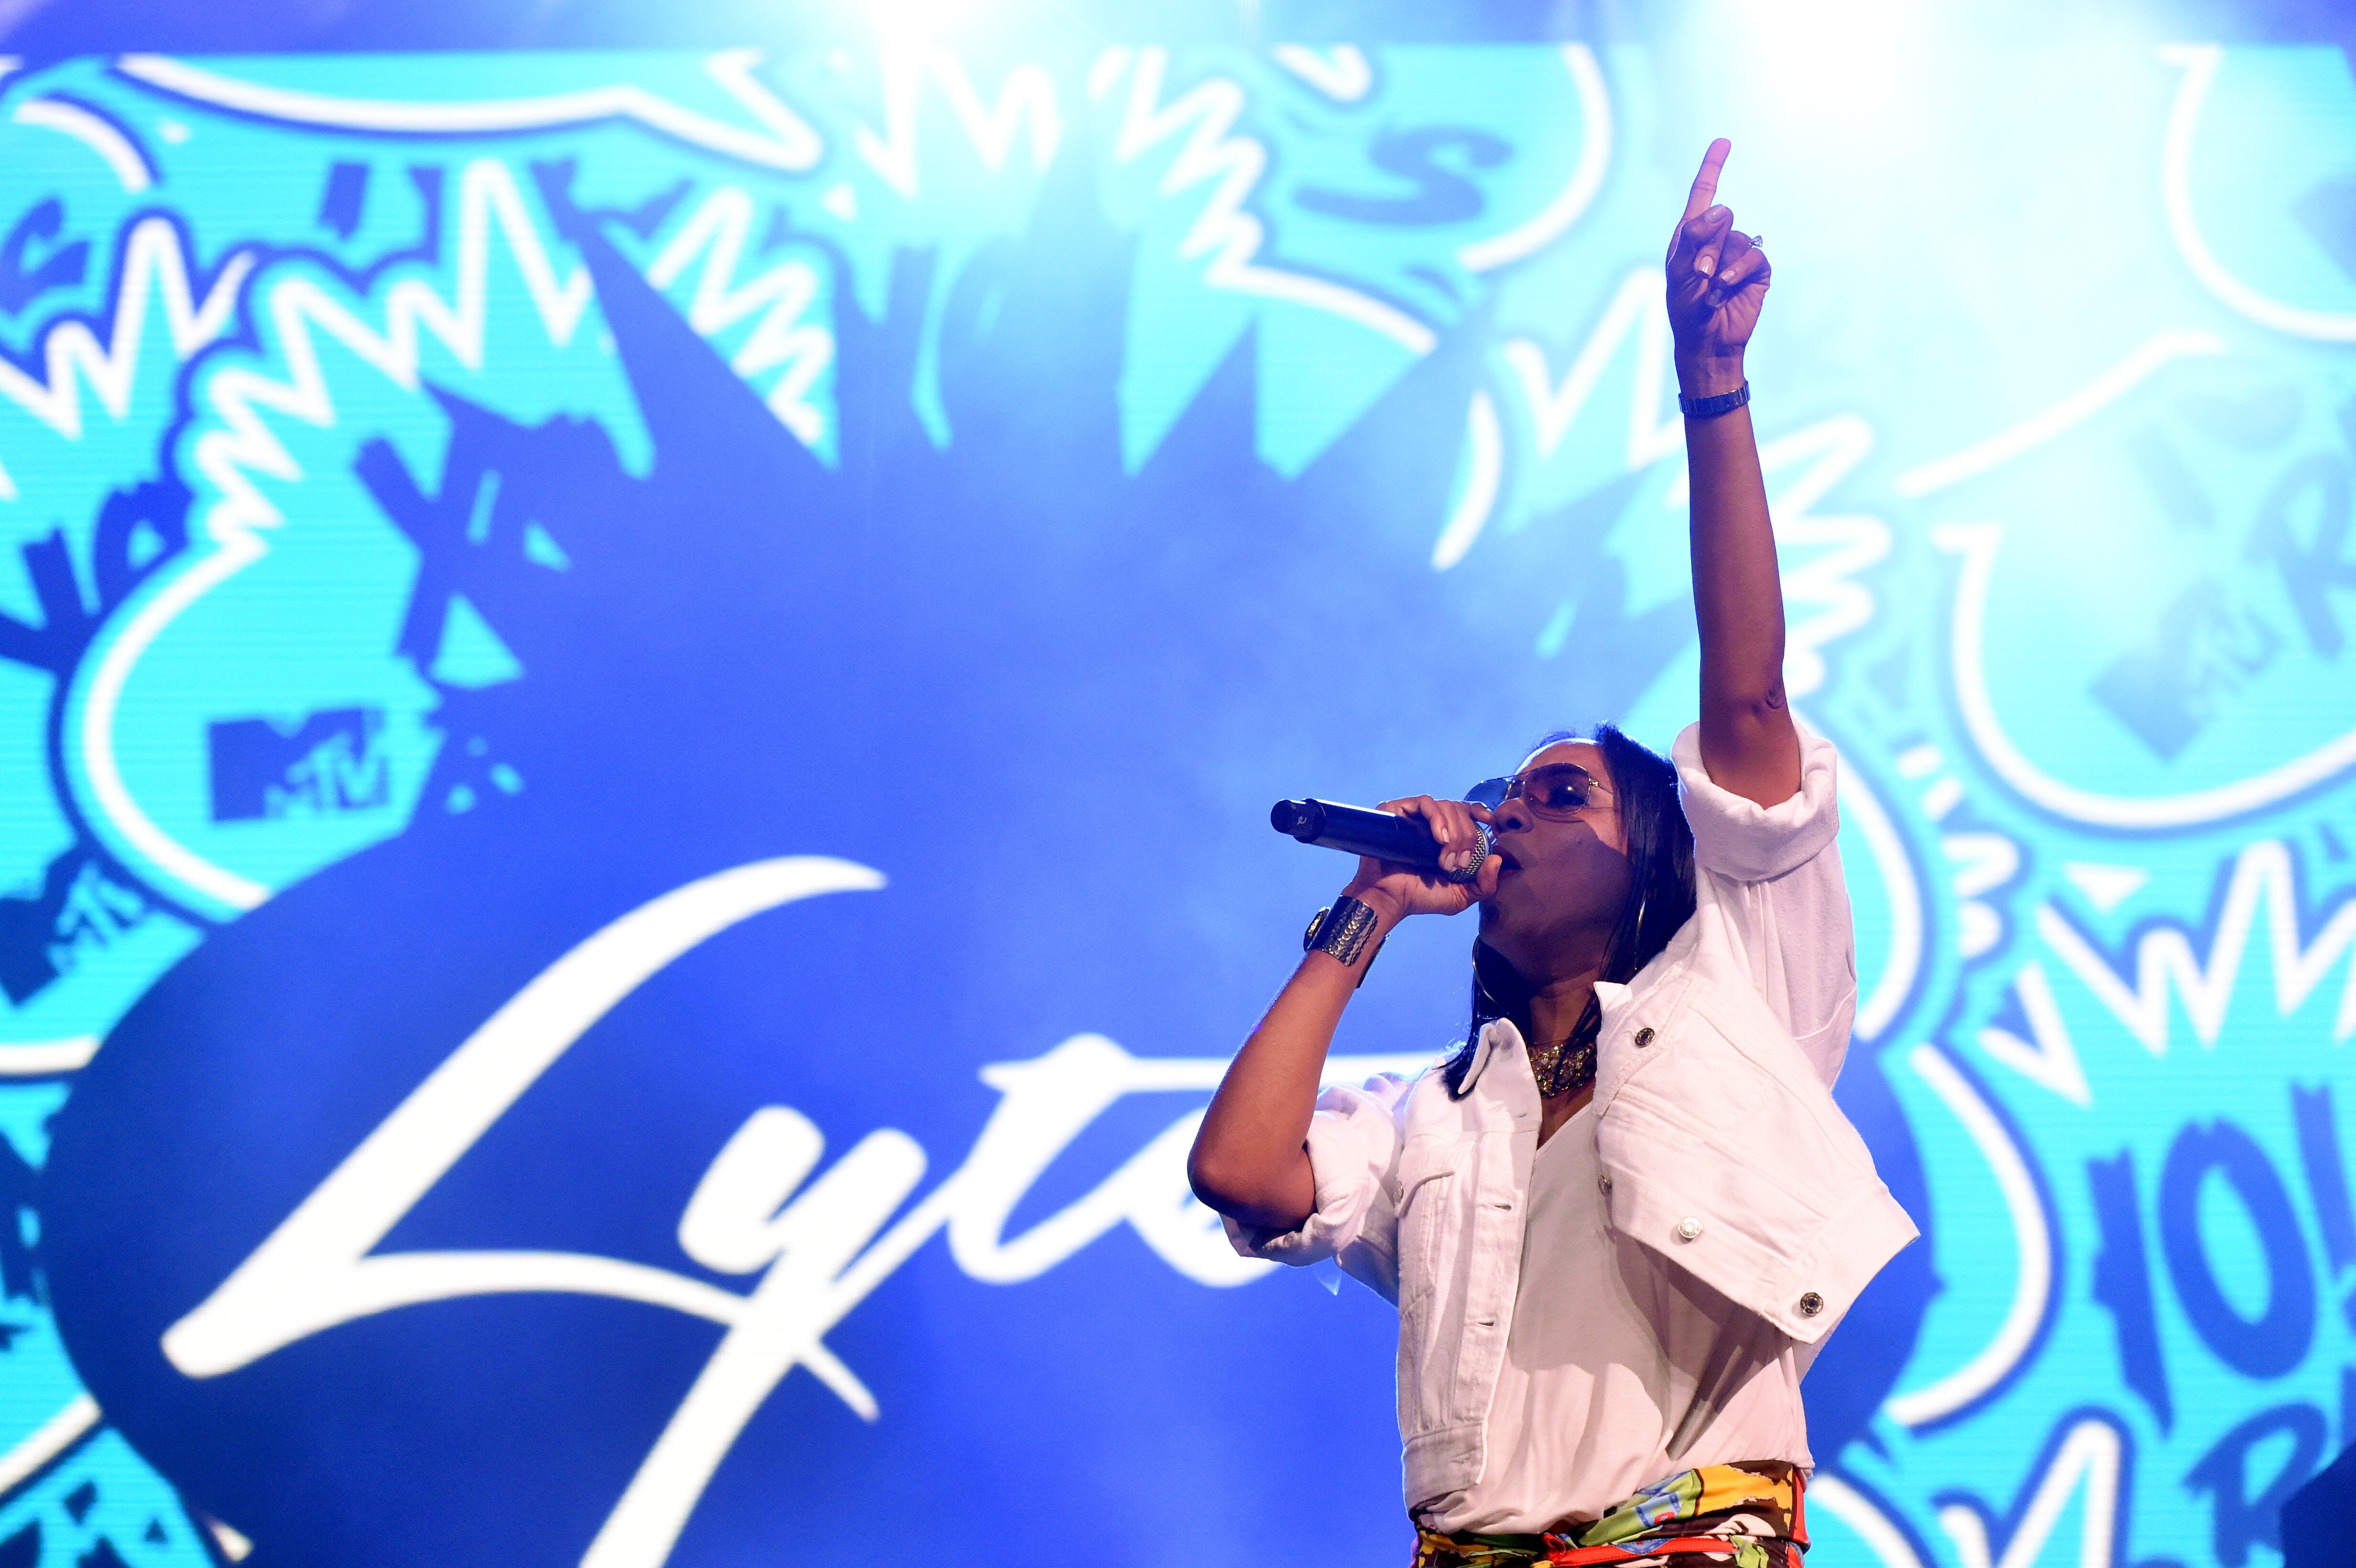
{"x":638,"y":695}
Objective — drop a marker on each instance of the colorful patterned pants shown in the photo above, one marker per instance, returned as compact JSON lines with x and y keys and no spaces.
{"x":1720,"y":1516}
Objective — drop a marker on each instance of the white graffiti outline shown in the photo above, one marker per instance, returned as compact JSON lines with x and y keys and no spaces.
{"x":1225,"y":231}
{"x":2200,"y":63}
{"x":720,"y":231}
{"x":243,"y":444}
{"x":1849,"y":542}
{"x":51,"y":1438}
{"x":1484,"y":454}
{"x":47,"y":1058}
{"x":1880,"y":1009}
{"x":2048,"y":1058}
{"x":2062,"y":417}
{"x":70,"y":352}
{"x":1831,"y":448}
{"x":2032,"y":1239}
{"x":2264,"y":876}
{"x":2091,"y":1451}
{"x":1855,"y":1509}
{"x":786,"y":141}
{"x":1342,"y":73}
{"x":1026,"y":98}
{"x":92,"y":130}
{"x":1586,"y":177}
{"x":1632,"y":311}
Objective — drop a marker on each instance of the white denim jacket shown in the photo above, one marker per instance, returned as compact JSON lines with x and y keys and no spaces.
{"x":1721,"y":1148}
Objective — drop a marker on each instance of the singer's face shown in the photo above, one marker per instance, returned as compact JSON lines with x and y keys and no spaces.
{"x":1562,"y":882}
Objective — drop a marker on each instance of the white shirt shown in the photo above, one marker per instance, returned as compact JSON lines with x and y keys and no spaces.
{"x":1621,"y":1368}
{"x":1563,"y":1343}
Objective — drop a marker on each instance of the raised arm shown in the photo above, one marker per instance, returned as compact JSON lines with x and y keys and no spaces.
{"x":1718,"y":279}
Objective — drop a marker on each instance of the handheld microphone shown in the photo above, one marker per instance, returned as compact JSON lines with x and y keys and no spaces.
{"x":1355,"y":830}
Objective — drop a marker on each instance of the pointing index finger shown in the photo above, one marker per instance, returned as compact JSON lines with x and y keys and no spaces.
{"x":1705,"y":184}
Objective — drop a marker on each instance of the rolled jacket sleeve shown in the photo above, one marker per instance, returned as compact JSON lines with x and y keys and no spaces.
{"x":1770,"y":904}
{"x":1353,"y":1147}
{"x":1739,"y":839}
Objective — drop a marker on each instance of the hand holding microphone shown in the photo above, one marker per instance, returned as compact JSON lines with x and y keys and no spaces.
{"x":1419,"y":855}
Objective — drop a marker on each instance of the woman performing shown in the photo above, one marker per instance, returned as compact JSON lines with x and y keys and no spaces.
{"x":1619,"y":1220}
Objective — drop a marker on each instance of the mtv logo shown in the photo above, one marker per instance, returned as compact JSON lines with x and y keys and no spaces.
{"x":332,"y":761}
{"x":2204,"y":651}
{"x":77,"y":909}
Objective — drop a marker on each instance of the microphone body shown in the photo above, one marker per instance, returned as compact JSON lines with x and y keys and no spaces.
{"x":1357,"y":831}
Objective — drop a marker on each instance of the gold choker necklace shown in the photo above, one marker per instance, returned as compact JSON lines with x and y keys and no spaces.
{"x":1562,"y":1068}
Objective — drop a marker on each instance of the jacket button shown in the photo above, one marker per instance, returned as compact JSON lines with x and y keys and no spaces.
{"x":1603,"y":1183}
{"x":1644,"y":1037}
{"x":1688,"y":1228}
{"x":1811,"y":1304}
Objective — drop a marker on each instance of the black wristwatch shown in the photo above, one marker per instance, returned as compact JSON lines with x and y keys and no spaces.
{"x":1711,"y":408}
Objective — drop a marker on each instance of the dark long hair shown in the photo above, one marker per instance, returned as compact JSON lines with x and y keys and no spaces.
{"x":1660,"y":896}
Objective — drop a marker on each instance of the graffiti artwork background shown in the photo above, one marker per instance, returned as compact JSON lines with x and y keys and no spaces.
{"x":600,"y":643}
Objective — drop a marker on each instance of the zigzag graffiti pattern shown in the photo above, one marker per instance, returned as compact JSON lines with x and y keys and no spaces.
{"x":244,"y":446}
{"x":1210,"y":153}
{"x":70,"y":352}
{"x":718,"y":230}
{"x":2263,"y":873}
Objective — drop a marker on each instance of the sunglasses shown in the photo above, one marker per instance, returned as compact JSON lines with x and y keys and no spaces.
{"x":1556,"y":790}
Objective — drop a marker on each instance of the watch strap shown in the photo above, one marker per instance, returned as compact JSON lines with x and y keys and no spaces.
{"x":1711,"y":408}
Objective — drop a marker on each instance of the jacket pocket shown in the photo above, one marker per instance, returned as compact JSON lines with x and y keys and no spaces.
{"x":1426,"y":1215}
{"x":1732,"y":1160}
{"x":1426,"y":1168}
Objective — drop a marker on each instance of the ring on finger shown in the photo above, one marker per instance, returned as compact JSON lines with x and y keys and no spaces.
{"x":1471,"y":870}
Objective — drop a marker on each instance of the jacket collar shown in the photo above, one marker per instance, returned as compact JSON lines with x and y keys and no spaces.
{"x":1501,"y":1043}
{"x":1498,"y":1037}
{"x":1653,"y":990}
